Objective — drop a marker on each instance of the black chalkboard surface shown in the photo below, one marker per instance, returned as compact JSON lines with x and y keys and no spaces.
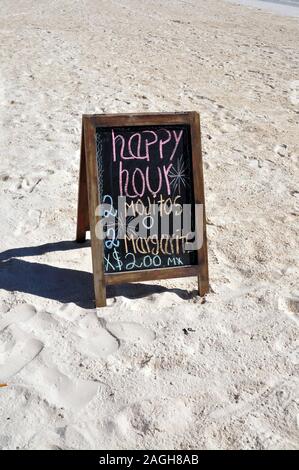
{"x":147,"y":165}
{"x":141,"y":180}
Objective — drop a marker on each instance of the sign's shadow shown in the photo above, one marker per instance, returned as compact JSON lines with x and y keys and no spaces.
{"x":62,"y":284}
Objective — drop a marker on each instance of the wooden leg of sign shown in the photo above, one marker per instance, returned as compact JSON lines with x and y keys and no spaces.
{"x":202,"y":252}
{"x":97,"y":249}
{"x":82,"y":214}
{"x":86,"y":217}
{"x":203,"y":277}
{"x":98,"y":274}
{"x":100,"y":291}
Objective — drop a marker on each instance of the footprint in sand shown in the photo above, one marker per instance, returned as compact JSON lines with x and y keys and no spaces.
{"x":17,"y":349}
{"x":70,"y":312}
{"x":101,"y":345}
{"x":98,"y":338}
{"x":281,"y":150}
{"x":60,"y":390}
{"x":24,"y":183}
{"x":4,"y":176}
{"x":30,"y":224}
{"x":145,"y":417}
{"x":295,"y":195}
{"x":20,"y":313}
{"x":94,"y":340}
{"x":290,"y":305}
{"x":130,"y":331}
{"x":15,"y":358}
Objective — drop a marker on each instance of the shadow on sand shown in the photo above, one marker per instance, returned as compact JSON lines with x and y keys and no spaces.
{"x":63,"y":284}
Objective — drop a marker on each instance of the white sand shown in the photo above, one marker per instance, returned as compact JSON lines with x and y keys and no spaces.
{"x":127,"y":376}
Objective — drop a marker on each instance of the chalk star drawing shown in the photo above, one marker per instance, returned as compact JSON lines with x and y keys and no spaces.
{"x":123,"y":225}
{"x":120,"y":226}
{"x":179,"y":175}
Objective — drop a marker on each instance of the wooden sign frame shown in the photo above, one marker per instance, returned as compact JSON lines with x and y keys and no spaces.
{"x":88,"y":199}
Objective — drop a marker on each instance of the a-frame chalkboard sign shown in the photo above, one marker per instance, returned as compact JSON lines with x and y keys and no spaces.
{"x":154,"y":162}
